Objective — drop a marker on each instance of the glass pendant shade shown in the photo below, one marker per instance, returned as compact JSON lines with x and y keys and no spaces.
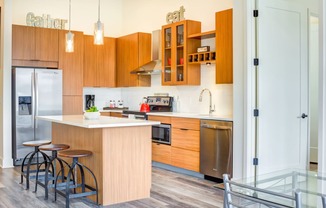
{"x":69,"y":42}
{"x":99,"y":33}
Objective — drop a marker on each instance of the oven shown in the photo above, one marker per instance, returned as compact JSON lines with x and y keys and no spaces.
{"x":161,"y":133}
{"x":157,"y":103}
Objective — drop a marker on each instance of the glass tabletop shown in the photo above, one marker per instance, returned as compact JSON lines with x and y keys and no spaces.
{"x":281,"y":187}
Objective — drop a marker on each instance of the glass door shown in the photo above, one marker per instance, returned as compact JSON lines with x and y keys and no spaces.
{"x":180,"y":54}
{"x":167,"y":55}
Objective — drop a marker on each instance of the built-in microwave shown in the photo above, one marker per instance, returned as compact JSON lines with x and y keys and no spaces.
{"x":161,"y":133}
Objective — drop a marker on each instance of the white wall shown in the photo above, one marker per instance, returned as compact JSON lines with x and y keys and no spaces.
{"x":83,"y":13}
{"x":5,"y":85}
{"x":146,"y":16}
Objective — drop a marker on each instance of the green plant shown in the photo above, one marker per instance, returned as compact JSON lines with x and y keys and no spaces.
{"x":92,"y":109}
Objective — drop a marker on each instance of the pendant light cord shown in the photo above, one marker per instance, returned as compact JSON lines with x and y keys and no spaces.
{"x":99,"y":10}
{"x":69,"y":14}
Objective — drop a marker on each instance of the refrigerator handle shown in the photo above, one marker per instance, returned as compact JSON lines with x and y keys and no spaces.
{"x":33,"y":100}
{"x":36,"y":97}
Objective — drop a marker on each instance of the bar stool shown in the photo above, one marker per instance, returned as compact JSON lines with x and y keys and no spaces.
{"x":36,"y":145}
{"x":50,"y":175}
{"x":75,"y":154}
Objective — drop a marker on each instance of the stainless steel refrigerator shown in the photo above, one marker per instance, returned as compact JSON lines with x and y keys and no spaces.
{"x":35,"y":92}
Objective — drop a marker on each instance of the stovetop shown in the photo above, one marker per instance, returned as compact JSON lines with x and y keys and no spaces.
{"x":156,"y":104}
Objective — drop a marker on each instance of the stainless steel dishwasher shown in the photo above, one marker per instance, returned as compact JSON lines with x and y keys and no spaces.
{"x":216,"y":148}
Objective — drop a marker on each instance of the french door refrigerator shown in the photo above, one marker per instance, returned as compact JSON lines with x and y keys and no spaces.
{"x":35,"y":92}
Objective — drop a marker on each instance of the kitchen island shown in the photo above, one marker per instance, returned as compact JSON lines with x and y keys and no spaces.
{"x":121,"y":159}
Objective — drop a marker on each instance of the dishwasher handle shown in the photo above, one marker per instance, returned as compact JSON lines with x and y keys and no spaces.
{"x":215,"y":127}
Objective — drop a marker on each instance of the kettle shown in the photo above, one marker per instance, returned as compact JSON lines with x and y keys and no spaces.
{"x":144,"y":106}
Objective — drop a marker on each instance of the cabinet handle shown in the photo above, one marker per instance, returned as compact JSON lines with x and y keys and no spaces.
{"x":184,"y":129}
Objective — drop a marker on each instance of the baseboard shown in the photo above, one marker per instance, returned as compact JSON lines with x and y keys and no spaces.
{"x":177,"y":170}
{"x":6,"y":163}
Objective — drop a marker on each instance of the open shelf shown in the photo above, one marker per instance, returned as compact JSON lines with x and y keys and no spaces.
{"x":203,"y":35}
{"x":199,"y":58}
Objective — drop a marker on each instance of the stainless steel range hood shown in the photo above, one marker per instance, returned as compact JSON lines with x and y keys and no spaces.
{"x":154,"y":66}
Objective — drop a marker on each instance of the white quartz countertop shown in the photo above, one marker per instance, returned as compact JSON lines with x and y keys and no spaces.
{"x":102,"y":122}
{"x":193,"y":115}
{"x":114,"y":111}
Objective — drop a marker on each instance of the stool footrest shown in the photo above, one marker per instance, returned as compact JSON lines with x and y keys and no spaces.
{"x":83,"y":194}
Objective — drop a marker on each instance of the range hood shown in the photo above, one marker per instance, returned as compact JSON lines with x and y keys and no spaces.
{"x":154,"y":66}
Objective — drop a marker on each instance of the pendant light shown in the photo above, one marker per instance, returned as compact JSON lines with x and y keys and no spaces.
{"x":69,"y":35}
{"x":99,"y":29}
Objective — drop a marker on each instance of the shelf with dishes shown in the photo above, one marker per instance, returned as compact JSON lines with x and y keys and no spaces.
{"x":202,"y":58}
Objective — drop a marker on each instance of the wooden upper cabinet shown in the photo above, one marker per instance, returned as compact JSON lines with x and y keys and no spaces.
{"x":224,"y":47}
{"x":175,"y":49}
{"x":31,"y":45}
{"x":99,"y":63}
{"x":72,"y":63}
{"x":133,"y":51}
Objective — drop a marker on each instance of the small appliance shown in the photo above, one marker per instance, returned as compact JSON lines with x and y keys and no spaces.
{"x":144,"y":106}
{"x":89,"y":101}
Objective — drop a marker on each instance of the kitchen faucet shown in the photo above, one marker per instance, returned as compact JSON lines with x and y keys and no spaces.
{"x":211,"y":110}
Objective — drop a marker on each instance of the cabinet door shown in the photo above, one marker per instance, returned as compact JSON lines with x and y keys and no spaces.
{"x":162,"y":119}
{"x":23,"y":42}
{"x":105,"y":114}
{"x":176,"y":46}
{"x":166,"y":55}
{"x":185,"y":123}
{"x":90,"y":62}
{"x":161,"y":153}
{"x":72,"y":105}
{"x":186,"y":159}
{"x":179,"y":73}
{"x":46,"y":44}
{"x":116,"y":114}
{"x":127,"y":58}
{"x":106,"y":63}
{"x":224,"y":47}
{"x":185,"y":139}
{"x":72,"y":64}
{"x":132,"y":51}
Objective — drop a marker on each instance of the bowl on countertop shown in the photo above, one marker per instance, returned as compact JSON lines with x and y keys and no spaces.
{"x":92,"y":115}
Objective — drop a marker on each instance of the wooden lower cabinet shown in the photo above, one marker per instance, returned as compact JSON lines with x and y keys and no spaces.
{"x":161,"y":153}
{"x":186,"y":159}
{"x":116,"y":114}
{"x":185,"y":123}
{"x":113,"y":114}
{"x":105,"y":114}
{"x":186,"y":139}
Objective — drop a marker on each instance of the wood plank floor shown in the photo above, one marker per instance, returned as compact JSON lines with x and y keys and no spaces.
{"x":169,"y":189}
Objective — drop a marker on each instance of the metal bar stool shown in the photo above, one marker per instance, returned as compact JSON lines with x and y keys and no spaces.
{"x":50,"y":175}
{"x":30,"y":157}
{"x":75,"y":154}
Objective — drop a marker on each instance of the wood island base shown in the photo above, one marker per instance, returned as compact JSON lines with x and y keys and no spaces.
{"x":121,"y":159}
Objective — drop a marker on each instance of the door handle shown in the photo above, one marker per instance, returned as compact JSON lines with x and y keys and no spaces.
{"x":303,"y":116}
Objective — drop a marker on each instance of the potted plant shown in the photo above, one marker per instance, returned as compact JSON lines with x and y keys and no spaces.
{"x":92,"y":113}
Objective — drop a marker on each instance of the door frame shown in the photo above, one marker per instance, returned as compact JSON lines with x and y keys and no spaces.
{"x":322,"y":89}
{"x":243,"y":95}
